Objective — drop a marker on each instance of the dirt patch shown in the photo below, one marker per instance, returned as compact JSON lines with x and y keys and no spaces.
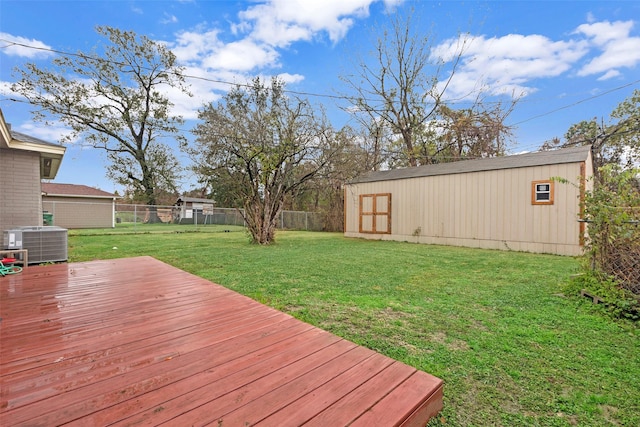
{"x":452,"y":344}
{"x":610,"y":414}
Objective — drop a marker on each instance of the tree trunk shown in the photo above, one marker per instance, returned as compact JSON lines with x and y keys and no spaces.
{"x":149,"y":190}
{"x":152,"y":215}
{"x":407,"y":136}
{"x":261,"y":218}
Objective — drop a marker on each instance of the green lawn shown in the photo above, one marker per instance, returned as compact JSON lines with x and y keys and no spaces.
{"x":159,"y":228}
{"x":495,"y":326}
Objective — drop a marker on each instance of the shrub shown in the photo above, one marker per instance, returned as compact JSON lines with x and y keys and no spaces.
{"x":612,"y":210}
{"x":618,"y":301}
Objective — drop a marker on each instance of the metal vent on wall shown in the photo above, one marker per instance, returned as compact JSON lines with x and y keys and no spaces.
{"x":45,"y":244}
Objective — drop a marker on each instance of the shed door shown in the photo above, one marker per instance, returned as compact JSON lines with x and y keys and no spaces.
{"x":375,"y":213}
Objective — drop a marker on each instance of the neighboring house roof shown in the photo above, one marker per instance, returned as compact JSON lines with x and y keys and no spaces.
{"x":193,"y":200}
{"x":50,"y":154}
{"x":565,"y":155}
{"x":74,"y":190}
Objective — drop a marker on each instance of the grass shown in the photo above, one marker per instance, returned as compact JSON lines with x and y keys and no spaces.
{"x":495,"y":326}
{"x":143,"y":228}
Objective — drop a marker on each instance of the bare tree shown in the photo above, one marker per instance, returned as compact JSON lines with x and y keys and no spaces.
{"x":403,"y":90}
{"x":116,"y":100}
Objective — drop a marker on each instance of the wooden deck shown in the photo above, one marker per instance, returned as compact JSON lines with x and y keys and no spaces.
{"x":136,"y":341}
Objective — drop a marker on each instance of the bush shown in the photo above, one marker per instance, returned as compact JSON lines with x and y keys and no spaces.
{"x":613,"y":213}
{"x":618,"y":301}
{"x":612,"y":268}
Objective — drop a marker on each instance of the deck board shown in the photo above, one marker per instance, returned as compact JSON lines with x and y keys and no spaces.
{"x":136,"y":341}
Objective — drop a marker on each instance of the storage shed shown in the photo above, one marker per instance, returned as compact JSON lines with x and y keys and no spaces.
{"x":194,"y":210}
{"x":509,"y":203}
{"x":78,"y":206}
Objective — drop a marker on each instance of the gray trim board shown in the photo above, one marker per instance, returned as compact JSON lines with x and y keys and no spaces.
{"x":554,"y":157}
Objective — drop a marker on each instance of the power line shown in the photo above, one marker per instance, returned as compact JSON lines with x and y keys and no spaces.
{"x":576,"y":103}
{"x":189,"y":76}
{"x":529,"y":147}
{"x":313,"y":94}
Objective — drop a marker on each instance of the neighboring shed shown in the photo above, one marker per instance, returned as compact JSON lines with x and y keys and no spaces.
{"x":24,"y":162}
{"x":509,"y":203}
{"x":78,"y":206}
{"x":194,"y":209}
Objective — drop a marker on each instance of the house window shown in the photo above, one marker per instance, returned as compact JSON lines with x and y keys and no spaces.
{"x":375,"y":213}
{"x":542,"y":193}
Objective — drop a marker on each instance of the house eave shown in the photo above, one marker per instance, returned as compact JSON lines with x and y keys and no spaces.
{"x":78,"y":196}
{"x":50,"y":154}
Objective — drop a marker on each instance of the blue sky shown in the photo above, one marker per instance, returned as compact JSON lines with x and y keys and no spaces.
{"x":568,"y":60}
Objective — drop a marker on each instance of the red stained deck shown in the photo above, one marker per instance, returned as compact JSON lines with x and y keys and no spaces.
{"x":136,"y":341}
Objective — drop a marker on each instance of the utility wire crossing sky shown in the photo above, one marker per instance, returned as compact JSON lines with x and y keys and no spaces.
{"x":566,"y":61}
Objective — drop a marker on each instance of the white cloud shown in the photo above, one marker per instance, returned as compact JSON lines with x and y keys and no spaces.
{"x":282,"y":22}
{"x":392,"y":5}
{"x":193,"y":46}
{"x":5,"y":89}
{"x":205,"y":49}
{"x":609,"y":75}
{"x":253,"y":44}
{"x":266,"y":28}
{"x":291,"y":78}
{"x":511,"y":63}
{"x":618,"y":48}
{"x":603,"y":33}
{"x":52,"y":132}
{"x":506,"y":65}
{"x":169,"y":19}
{"x":243,"y":55}
{"x":238,"y":28}
{"x":12,"y":46}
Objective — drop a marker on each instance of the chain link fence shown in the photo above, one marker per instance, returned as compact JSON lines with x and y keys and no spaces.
{"x":77,"y":215}
{"x":142,"y":214}
{"x":619,"y":254}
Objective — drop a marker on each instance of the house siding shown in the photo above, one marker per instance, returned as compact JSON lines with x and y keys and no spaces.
{"x":21,"y":204}
{"x":77,"y":212}
{"x":488,"y":209}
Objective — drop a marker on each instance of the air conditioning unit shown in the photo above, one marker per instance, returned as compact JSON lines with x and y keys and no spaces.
{"x":45,"y":244}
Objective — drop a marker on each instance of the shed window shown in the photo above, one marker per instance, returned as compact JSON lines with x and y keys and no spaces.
{"x":375,"y":213}
{"x":542,"y":193}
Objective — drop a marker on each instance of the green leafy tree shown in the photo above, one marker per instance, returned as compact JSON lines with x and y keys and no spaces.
{"x":263,"y":147}
{"x":612,"y":210}
{"x":611,"y":268}
{"x":625,"y":135}
{"x":616,"y":141}
{"x":115,"y":99}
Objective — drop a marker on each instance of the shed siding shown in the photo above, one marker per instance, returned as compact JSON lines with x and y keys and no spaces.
{"x":21,"y":203}
{"x":488,"y":209}
{"x":75,"y":212}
